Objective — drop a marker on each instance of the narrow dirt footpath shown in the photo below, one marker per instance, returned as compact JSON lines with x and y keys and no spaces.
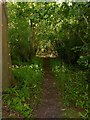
{"x":50,"y":106}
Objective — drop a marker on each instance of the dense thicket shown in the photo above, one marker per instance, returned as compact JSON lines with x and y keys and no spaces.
{"x":66,"y":25}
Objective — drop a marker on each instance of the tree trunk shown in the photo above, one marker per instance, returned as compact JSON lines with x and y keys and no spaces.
{"x":6,"y":59}
{"x":0,"y":60}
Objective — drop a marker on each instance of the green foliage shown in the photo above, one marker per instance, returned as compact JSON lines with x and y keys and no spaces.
{"x":18,"y":33}
{"x":67,"y":27}
{"x":73,"y":85}
{"x":84,"y":58}
{"x":25,"y":74}
{"x":38,"y":61}
{"x":27,"y":90}
{"x":65,"y":24}
{"x":73,"y":32}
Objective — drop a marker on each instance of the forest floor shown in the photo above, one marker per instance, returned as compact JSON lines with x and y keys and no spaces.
{"x":51,"y":106}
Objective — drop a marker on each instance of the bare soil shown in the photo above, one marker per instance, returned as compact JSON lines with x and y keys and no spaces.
{"x":51,"y":106}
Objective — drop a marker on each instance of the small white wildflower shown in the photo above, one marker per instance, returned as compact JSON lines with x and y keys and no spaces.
{"x":36,"y":66}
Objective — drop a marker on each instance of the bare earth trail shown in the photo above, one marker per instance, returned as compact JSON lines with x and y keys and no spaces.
{"x":51,"y":106}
